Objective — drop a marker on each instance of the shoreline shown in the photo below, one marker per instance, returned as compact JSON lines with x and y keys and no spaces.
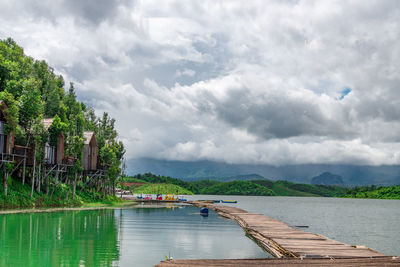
{"x":83,"y":207}
{"x":86,"y":206}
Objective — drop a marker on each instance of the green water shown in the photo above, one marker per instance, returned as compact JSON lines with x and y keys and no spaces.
{"x":59,"y":239}
{"x":120,"y":237}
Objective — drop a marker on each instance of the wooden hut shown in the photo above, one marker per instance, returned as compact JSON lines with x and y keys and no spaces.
{"x":6,"y":140}
{"x":53,"y":154}
{"x":90,"y":152}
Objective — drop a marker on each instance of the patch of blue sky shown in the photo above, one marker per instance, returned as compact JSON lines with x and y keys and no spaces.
{"x":344,"y":92}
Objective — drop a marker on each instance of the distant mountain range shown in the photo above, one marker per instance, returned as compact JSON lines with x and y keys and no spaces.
{"x":195,"y":170}
{"x":327,"y":178}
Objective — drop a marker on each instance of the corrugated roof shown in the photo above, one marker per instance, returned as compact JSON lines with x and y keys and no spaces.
{"x":88,"y":136}
{"x":47,"y":122}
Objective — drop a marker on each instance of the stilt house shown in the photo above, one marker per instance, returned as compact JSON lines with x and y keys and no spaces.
{"x":90,"y":152}
{"x":53,"y":154}
{"x":6,"y":140}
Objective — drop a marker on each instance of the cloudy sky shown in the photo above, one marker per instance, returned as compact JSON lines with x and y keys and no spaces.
{"x":275,"y":82}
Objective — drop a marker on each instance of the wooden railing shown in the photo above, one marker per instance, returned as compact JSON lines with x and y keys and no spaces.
{"x":21,"y":151}
{"x":68,"y":160}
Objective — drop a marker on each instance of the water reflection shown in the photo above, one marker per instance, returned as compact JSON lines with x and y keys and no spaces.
{"x":150,"y":235}
{"x":120,"y":237}
{"x":77,"y":238}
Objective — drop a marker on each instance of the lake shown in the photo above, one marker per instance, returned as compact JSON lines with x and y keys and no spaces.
{"x":120,"y":237}
{"x":374,"y":223}
{"x":144,"y":236}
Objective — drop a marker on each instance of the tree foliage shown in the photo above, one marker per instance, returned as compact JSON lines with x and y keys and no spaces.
{"x":32,"y":91}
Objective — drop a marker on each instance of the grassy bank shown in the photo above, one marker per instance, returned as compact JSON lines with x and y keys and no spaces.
{"x":161,"y":189}
{"x":19,"y":197}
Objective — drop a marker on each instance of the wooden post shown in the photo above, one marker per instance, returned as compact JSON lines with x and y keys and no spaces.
{"x":39,"y":180}
{"x":67,"y":183}
{"x":74,"y":185}
{"x":47,"y":182}
{"x":5,"y":184}
{"x":33,"y":175}
{"x":55,"y":185}
{"x":24,"y":166}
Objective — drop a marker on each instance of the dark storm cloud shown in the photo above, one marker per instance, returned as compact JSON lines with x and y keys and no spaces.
{"x":276,"y":118}
{"x":82,"y":11}
{"x":274,"y":114}
{"x":92,"y":11}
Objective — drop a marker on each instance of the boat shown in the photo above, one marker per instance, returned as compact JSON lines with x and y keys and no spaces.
{"x":228,"y":201}
{"x":171,"y":197}
{"x":148,"y":197}
{"x":204,"y":212}
{"x":159,"y":197}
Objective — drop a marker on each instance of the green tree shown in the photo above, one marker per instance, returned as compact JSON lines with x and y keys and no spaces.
{"x":56,"y":128}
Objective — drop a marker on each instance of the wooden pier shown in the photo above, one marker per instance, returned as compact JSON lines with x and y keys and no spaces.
{"x":313,"y":262}
{"x":292,"y":247}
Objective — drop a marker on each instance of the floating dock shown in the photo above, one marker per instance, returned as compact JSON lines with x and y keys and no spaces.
{"x":290,"y":245}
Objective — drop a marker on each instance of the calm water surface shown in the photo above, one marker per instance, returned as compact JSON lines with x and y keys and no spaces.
{"x":142,"y":236}
{"x":120,"y":237}
{"x":374,"y":223}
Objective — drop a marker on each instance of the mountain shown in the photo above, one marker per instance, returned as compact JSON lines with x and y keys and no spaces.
{"x":194,"y":170}
{"x":327,"y":178}
{"x":242,"y":177}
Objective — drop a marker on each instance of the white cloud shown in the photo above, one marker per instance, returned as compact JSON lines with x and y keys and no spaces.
{"x":185,"y":72}
{"x":258,"y":82}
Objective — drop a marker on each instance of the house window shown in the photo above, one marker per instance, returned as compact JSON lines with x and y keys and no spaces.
{"x":1,"y":127}
{"x":49,"y":154}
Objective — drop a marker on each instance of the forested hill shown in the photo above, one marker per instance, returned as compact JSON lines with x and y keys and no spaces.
{"x":352,"y":175}
{"x":32,"y":91}
{"x":262,"y":187}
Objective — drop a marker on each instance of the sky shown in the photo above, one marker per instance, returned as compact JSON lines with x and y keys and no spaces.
{"x":259,"y":82}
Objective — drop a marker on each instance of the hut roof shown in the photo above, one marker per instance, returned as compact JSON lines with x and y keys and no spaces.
{"x":47,"y":122}
{"x":88,"y":135}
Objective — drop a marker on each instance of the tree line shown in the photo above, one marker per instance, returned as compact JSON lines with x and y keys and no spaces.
{"x":32,"y":91}
{"x":265,"y":187}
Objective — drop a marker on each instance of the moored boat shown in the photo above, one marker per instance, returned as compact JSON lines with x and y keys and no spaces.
{"x":171,"y":197}
{"x":228,"y":201}
{"x":204,"y":212}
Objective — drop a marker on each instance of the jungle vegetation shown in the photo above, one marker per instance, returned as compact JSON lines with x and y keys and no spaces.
{"x":32,"y":91}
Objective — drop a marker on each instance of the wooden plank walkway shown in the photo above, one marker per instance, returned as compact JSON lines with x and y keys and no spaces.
{"x":283,"y":241}
{"x":381,"y":261}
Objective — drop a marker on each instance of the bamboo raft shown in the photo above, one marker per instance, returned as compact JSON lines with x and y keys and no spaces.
{"x":291,"y":246}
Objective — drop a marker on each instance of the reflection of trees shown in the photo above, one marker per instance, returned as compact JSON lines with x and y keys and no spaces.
{"x":158,"y":208}
{"x":71,"y":238}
